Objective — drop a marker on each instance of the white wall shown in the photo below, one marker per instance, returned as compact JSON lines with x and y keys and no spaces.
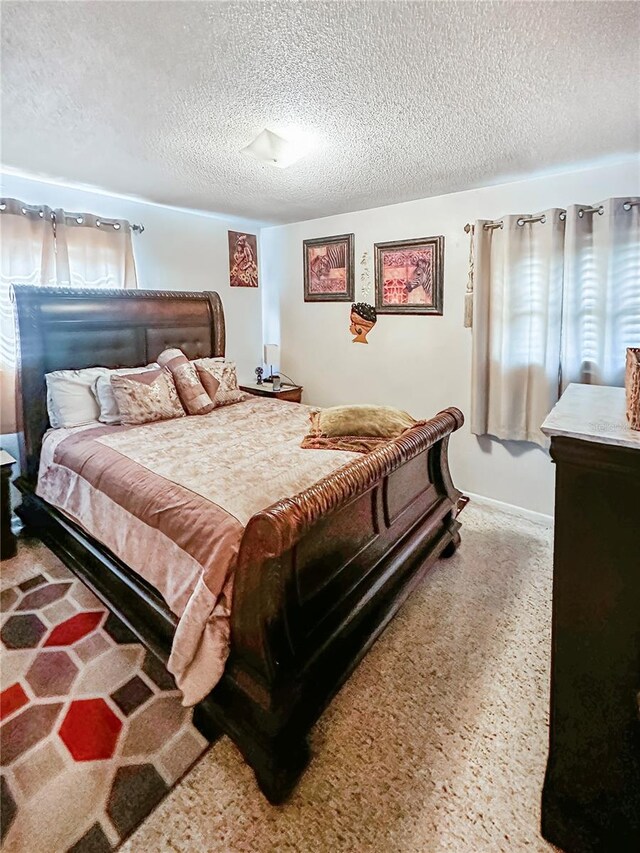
{"x":421,"y":363}
{"x":179,"y":250}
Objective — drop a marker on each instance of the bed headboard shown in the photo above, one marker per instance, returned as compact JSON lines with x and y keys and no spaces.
{"x":63,"y":328}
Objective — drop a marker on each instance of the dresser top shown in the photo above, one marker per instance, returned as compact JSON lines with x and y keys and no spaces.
{"x":6,"y":458}
{"x":592,"y":413}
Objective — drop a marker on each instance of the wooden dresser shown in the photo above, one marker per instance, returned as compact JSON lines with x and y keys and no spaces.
{"x":591,"y":795}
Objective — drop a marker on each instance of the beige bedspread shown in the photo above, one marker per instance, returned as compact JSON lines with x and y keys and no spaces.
{"x":172,"y":499}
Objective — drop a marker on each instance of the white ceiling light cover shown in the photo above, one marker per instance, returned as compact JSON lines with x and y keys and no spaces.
{"x":270,"y":147}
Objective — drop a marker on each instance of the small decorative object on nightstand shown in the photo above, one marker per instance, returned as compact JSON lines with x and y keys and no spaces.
{"x":291,"y":393}
{"x":8,"y":544}
{"x":259,"y":372}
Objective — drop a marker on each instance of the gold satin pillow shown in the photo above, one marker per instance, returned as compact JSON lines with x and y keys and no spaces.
{"x":363,"y":421}
{"x":146,"y":397}
{"x":356,"y":428}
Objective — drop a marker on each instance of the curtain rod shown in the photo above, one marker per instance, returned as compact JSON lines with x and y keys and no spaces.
{"x":39,"y":209}
{"x":599,"y":209}
{"x":115,"y":224}
{"x":523,"y":220}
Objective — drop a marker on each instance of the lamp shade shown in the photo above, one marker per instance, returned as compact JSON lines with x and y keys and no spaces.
{"x":272,"y":354}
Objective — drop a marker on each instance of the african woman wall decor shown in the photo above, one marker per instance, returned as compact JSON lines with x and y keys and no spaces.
{"x":363,"y":319}
{"x":409,"y":276}
{"x":243,"y":259}
{"x":328,"y":269}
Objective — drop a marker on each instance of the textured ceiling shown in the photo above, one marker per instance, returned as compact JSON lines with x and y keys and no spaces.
{"x":402,"y":100}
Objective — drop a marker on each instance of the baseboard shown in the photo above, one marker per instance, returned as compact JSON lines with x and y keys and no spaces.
{"x":511,"y":509}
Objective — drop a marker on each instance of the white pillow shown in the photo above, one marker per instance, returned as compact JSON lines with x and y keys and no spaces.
{"x":70,"y":398}
{"x":109,"y":411}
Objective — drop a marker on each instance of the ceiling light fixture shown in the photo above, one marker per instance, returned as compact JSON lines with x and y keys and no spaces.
{"x":270,"y":147}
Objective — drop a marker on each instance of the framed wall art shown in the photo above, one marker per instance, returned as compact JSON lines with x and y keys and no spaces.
{"x":409,"y":276}
{"x":243,"y":259}
{"x":329,"y":269}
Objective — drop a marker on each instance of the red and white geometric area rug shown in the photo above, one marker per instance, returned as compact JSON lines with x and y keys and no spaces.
{"x":92,"y":732}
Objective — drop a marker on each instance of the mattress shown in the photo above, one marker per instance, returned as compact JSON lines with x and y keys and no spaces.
{"x":172,"y":499}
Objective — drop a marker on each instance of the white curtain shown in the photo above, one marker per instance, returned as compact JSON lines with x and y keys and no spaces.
{"x":601,"y":315}
{"x":27,"y":256}
{"x":516,"y":325}
{"x":42,"y":247}
{"x":555,"y":301}
{"x":94,"y":252}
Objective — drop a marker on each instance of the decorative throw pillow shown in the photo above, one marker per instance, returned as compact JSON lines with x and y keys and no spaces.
{"x":220,"y":380}
{"x":70,"y":398}
{"x":356,"y":428}
{"x":147,"y":396}
{"x":109,"y":411}
{"x":193,"y":396}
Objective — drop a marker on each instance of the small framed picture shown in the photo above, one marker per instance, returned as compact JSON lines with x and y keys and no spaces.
{"x":409,"y":276}
{"x":243,"y":259}
{"x":329,"y":269}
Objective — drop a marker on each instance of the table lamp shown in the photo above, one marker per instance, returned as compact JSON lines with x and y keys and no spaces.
{"x":271,"y":357}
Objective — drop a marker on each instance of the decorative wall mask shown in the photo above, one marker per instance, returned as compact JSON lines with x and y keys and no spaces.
{"x":363,"y":319}
{"x":328,"y":269}
{"x":409,"y":276}
{"x":243,"y":259}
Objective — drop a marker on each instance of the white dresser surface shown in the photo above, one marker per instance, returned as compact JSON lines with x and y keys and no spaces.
{"x":592,"y":413}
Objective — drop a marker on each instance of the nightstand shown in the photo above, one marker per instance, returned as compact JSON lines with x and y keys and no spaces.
{"x":291,"y":393}
{"x":8,"y":543}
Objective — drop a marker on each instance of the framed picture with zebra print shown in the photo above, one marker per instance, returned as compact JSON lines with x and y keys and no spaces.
{"x":409,"y":276}
{"x":329,"y":269}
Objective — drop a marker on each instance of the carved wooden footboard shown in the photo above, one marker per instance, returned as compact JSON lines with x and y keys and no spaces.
{"x":319,"y":577}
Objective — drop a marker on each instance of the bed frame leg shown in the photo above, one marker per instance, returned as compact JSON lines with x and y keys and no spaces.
{"x":279,"y":769}
{"x":452,"y":547}
{"x":206,"y":725}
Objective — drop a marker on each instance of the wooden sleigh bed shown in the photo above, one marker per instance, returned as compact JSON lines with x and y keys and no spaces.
{"x":319,"y":575}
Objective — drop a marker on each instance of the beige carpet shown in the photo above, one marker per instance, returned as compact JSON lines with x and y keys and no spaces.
{"x":438,"y":741}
